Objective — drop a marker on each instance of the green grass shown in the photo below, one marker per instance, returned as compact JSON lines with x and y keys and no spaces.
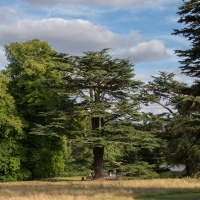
{"x":72,"y":188}
{"x":189,"y":196}
{"x":171,"y":174}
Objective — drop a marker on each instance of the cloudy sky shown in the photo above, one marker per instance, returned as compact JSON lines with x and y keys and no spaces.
{"x":136,"y":29}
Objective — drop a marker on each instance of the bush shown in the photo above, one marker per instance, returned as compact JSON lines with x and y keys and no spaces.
{"x":139,"y":170}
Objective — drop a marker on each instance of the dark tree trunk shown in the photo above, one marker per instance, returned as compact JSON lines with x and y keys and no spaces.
{"x":189,"y":169}
{"x":98,"y":152}
{"x":98,"y":161}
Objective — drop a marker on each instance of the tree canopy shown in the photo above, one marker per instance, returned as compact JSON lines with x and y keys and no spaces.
{"x":189,"y":14}
{"x":59,"y":110}
{"x":10,"y":134}
{"x":105,"y":97}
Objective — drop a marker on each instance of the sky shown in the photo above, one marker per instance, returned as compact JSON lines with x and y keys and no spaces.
{"x":136,"y":29}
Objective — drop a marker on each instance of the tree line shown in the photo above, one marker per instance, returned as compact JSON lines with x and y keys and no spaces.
{"x":60,"y":113}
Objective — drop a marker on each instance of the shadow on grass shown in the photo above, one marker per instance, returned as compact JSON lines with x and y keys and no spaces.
{"x":190,"y":196}
{"x":92,"y":189}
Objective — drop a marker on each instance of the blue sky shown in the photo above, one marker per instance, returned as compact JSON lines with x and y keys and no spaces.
{"x":136,"y":29}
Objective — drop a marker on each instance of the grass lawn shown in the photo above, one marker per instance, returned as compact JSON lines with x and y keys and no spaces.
{"x":189,"y":196}
{"x":71,"y":189}
{"x":74,"y":178}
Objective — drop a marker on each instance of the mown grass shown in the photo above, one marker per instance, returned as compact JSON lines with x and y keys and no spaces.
{"x":188,"y":196}
{"x":99,"y":190}
{"x":74,"y":178}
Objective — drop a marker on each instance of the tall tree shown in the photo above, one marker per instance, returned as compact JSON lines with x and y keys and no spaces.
{"x":10,"y":134}
{"x":179,"y":126}
{"x":182,"y":135}
{"x":107,"y":98}
{"x":188,"y":105}
{"x":189,"y":14}
{"x":30,"y":67}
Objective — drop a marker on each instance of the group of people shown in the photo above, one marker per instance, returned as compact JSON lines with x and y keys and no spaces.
{"x":90,"y":176}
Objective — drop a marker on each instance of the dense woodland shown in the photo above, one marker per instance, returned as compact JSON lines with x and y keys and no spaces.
{"x":61,"y":113}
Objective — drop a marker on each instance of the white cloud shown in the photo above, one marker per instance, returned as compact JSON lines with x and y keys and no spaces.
{"x":75,"y":36}
{"x":153,"y":50}
{"x":70,"y":36}
{"x":142,"y":77}
{"x":139,"y":50}
{"x":133,"y":39}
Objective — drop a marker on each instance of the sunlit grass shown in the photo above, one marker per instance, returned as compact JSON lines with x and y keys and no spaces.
{"x":74,"y":178}
{"x":95,"y":190}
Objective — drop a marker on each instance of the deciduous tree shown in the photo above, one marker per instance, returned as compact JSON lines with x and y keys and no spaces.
{"x":30,"y":68}
{"x":10,"y":134}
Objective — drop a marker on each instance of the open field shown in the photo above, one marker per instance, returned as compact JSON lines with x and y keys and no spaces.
{"x":100,"y":190}
{"x":188,"y":196}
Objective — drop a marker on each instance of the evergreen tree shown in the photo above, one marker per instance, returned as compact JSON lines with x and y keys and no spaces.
{"x":179,"y":127}
{"x":189,"y":14}
{"x":185,"y":126}
{"x":107,"y":99}
{"x":142,"y":160}
{"x":163,"y":91}
{"x":184,"y":130}
{"x":183,"y":147}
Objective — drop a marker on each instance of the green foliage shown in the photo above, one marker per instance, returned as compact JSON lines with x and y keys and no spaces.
{"x":91,"y":100}
{"x":9,"y":120}
{"x":31,"y":71}
{"x":9,"y":158}
{"x":139,"y":160}
{"x":30,"y":65}
{"x":96,"y":105}
{"x":189,"y":16}
{"x":183,"y":130}
{"x":49,"y":157}
{"x":164,"y":91}
{"x":106,"y":97}
{"x":10,"y":134}
{"x":179,"y":128}
{"x":81,"y":161}
{"x":183,"y":146}
{"x":139,"y":170}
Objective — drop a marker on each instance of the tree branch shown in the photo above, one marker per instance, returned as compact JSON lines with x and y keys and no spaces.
{"x":164,"y":107}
